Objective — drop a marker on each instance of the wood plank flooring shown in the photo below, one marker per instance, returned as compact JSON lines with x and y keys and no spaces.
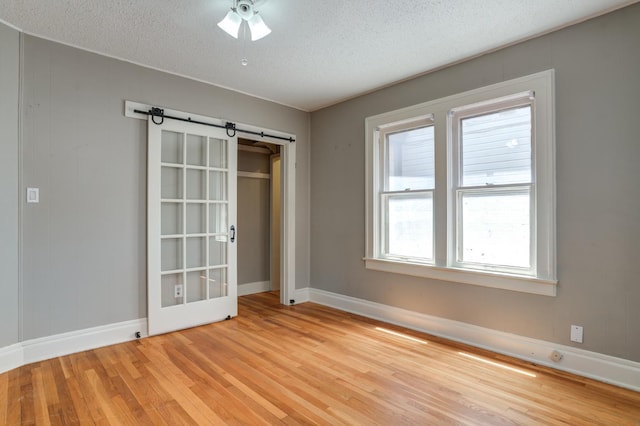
{"x":305,"y":364}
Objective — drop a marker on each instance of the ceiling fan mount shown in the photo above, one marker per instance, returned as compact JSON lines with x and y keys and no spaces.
{"x":241,"y":11}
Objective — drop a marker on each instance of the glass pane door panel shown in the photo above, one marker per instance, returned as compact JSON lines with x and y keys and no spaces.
{"x":217,"y":153}
{"x":172,"y":147}
{"x":410,"y":226}
{"x":196,"y":150}
{"x":196,"y":184}
{"x":196,"y":252}
{"x":496,"y":228}
{"x":196,"y":218}
{"x":217,"y":218}
{"x":171,"y":183}
{"x":196,"y":286}
{"x":171,"y":249}
{"x":169,"y":283}
{"x":218,"y":250}
{"x":218,"y":283}
{"x":218,"y":186}
{"x":171,"y":218}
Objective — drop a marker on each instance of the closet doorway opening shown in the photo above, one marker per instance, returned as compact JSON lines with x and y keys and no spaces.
{"x":260,"y":218}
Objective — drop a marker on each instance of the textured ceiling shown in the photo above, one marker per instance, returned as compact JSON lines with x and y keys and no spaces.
{"x":320,"y":51}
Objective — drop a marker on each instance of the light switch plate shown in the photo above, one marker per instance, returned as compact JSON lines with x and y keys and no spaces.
{"x":33,"y":195}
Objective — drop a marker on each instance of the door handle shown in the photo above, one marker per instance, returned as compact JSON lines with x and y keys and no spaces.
{"x":233,"y":233}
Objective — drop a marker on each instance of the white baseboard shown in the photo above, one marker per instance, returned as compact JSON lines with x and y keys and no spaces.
{"x":11,"y":357}
{"x":256,"y":287}
{"x":35,"y":350}
{"x":605,"y":368}
{"x":301,"y":295}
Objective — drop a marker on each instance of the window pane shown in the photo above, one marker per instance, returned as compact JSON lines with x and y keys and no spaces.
{"x":170,"y":218}
{"x":168,"y":285}
{"x":172,"y":147}
{"x":171,"y":258}
{"x":171,"y":183}
{"x":196,"y":184}
{"x":197,"y":150}
{"x":218,"y":285}
{"x":196,"y":218}
{"x":217,"y":250}
{"x":196,"y":252}
{"x":217,"y":153}
{"x":218,"y":186}
{"x":410,"y":226}
{"x":496,"y":148}
{"x":496,"y":228}
{"x":410,"y":160}
{"x":196,"y":286}
{"x":217,"y":218}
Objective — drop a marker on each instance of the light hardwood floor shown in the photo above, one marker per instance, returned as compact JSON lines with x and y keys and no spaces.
{"x":304,"y":364}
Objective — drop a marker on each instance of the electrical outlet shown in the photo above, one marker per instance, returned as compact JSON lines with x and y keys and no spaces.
{"x":178,"y":290}
{"x":577,"y":333}
{"x":33,"y":195}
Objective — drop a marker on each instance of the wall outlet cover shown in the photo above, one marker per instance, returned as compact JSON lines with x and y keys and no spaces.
{"x":178,"y":290}
{"x":577,"y":333}
{"x":33,"y":195}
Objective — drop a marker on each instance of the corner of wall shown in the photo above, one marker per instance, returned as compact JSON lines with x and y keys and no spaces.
{"x":10,"y":87}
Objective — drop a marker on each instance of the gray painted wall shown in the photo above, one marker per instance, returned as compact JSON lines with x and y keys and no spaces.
{"x":84,"y":245}
{"x":253,"y":219}
{"x":9,"y":194}
{"x":597,"y":67}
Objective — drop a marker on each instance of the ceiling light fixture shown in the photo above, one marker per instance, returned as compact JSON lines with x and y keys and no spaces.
{"x":244,"y":10}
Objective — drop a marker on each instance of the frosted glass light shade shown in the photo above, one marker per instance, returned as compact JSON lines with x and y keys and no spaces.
{"x":258,"y":28}
{"x":231,"y":24}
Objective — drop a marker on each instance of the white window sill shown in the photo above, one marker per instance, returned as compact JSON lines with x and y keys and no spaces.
{"x":481,"y":278}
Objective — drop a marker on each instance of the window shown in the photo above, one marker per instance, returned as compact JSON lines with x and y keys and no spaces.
{"x":406,"y":198}
{"x":462,"y":188}
{"x":492,"y":185}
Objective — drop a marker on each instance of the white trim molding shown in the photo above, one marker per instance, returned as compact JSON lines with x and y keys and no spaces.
{"x":43,"y":348}
{"x":604,"y":368}
{"x":255,"y":287}
{"x":253,"y":175}
{"x":11,"y":357}
{"x":302,"y":295}
{"x":483,"y":278}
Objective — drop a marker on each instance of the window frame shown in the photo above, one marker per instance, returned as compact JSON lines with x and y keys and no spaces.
{"x":543,"y":280}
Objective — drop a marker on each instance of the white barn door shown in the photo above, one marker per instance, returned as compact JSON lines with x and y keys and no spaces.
{"x":191,"y":231}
